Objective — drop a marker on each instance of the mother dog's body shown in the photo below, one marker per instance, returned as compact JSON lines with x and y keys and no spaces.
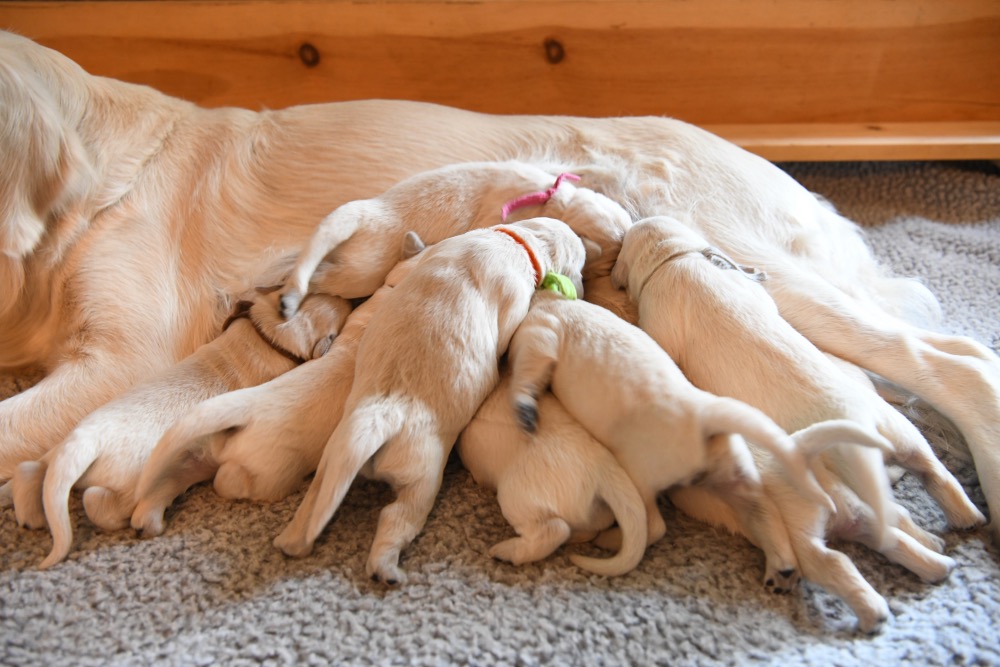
{"x":134,"y":219}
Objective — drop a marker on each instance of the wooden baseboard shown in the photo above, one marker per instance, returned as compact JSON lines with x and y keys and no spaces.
{"x":850,"y":141}
{"x":790,"y":79}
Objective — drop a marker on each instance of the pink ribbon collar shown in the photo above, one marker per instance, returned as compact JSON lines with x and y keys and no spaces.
{"x":535,"y":198}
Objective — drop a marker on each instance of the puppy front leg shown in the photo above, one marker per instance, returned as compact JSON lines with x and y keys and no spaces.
{"x":534,"y":351}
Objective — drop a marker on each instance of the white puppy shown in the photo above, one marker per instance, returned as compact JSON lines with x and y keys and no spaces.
{"x":425,"y":364}
{"x":355,"y":238}
{"x":105,"y":454}
{"x":555,"y":486}
{"x":625,"y":390}
{"x":727,"y":336}
{"x":260,"y":442}
{"x":130,"y":218}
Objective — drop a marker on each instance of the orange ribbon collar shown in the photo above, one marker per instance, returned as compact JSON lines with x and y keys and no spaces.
{"x":535,"y":265}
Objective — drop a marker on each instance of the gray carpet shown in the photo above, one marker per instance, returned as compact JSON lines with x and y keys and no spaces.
{"x":212,"y":589}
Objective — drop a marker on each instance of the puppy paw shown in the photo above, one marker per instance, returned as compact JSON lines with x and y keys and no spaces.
{"x":233,"y":481}
{"x":873,"y":618}
{"x":610,"y":539}
{"x":386,"y":573}
{"x":782,"y":581}
{"x":293,"y":545}
{"x":147,"y":521}
{"x":26,"y":494}
{"x":6,"y":495}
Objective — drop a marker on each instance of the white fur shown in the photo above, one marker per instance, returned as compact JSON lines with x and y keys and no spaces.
{"x":156,"y":213}
{"x":558,"y":484}
{"x":725,"y":332}
{"x":260,"y":442}
{"x":105,"y":454}
{"x":625,"y":390}
{"x":426,"y":362}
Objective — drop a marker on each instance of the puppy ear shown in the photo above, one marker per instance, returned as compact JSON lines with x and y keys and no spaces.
{"x":412,"y":245}
{"x":322,"y":346}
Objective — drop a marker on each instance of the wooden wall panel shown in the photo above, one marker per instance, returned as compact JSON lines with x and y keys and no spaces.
{"x":859,"y":68}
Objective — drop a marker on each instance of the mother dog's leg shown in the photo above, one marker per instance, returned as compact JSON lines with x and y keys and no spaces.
{"x":34,"y":421}
{"x":956,"y":375}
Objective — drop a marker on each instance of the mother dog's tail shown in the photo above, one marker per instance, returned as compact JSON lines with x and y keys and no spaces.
{"x":617,"y":489}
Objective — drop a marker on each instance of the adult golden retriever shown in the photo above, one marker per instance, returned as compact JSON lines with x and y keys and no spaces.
{"x":130,"y":220}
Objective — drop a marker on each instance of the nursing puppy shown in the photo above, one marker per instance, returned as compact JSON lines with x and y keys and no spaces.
{"x":554,"y":486}
{"x":727,"y":336}
{"x":456,"y":312}
{"x":357,"y":237}
{"x":105,"y":454}
{"x":260,"y":442}
{"x":116,"y":193}
{"x":662,"y":430}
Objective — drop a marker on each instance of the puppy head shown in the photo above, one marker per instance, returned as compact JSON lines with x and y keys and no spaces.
{"x":46,"y":168}
{"x":307,"y":334}
{"x":558,"y":248}
{"x":645,"y":245}
{"x":596,"y":218}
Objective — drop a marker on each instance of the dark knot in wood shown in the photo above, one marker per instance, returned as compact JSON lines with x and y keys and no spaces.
{"x":554,"y":51}
{"x":309,"y":55}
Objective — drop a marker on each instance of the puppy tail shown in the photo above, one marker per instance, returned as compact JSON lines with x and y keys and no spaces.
{"x":727,"y":415}
{"x":187,"y":444}
{"x":335,"y":228}
{"x":816,"y":439}
{"x":616,"y":488}
{"x":862,"y":467}
{"x":355,"y":440}
{"x":65,"y":468}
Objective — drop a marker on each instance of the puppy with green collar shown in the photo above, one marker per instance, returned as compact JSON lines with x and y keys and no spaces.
{"x":426,"y":362}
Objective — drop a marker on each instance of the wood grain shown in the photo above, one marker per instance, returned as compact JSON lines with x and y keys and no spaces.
{"x":794,"y":64}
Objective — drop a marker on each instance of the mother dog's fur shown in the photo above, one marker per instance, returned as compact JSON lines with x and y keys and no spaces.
{"x":129,"y":219}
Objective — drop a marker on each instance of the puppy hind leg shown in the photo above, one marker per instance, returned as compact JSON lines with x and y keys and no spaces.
{"x":417,"y":473}
{"x":355,"y":440}
{"x":917,"y":457}
{"x":535,"y":541}
{"x":963,"y":387}
{"x":836,"y":573}
{"x":26,"y":493}
{"x":902,"y":549}
{"x":153,"y":501}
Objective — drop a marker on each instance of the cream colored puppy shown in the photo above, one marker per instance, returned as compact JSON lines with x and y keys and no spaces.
{"x":260,"y":442}
{"x":355,"y":238}
{"x":626,"y":391}
{"x":727,"y":336}
{"x":105,"y":454}
{"x":425,"y":364}
{"x":554,"y":486}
